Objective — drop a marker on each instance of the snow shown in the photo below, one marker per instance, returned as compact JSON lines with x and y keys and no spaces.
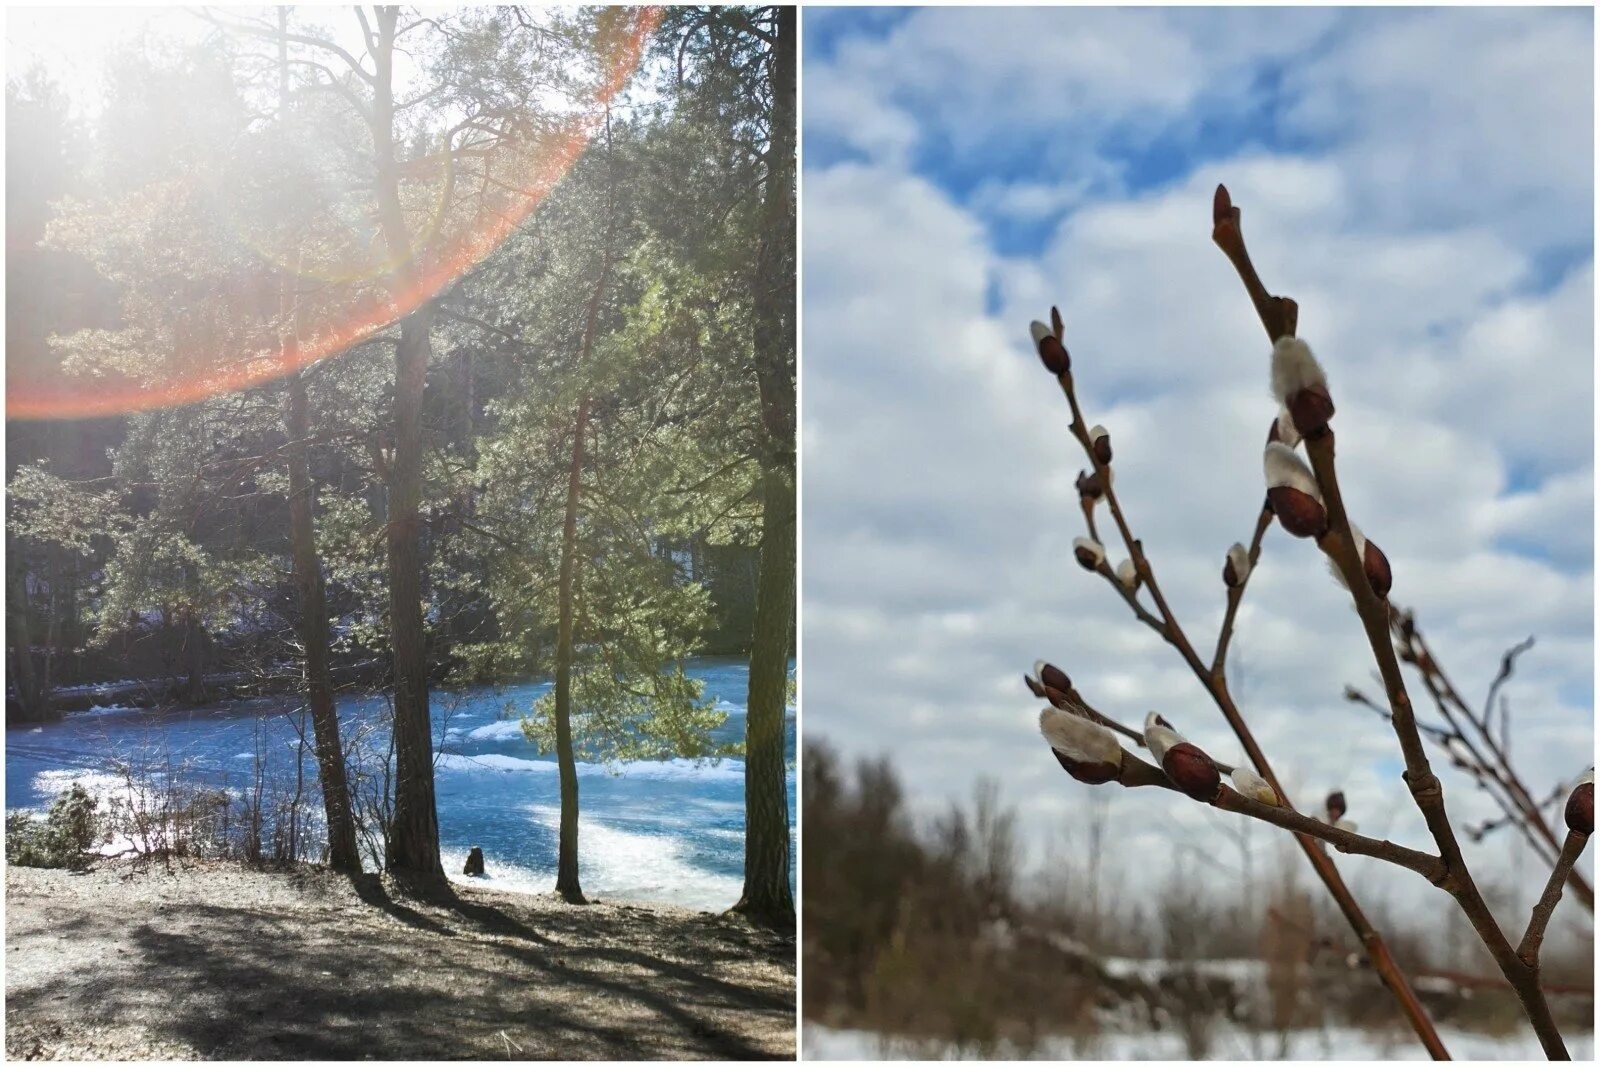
{"x":1239,"y":971}
{"x":1228,"y":1043}
{"x":503,"y":730}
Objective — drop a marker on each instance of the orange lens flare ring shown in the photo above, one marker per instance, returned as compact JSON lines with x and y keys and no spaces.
{"x":59,"y":396}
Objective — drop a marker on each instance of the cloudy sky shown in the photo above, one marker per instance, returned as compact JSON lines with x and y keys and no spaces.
{"x":1421,"y":181}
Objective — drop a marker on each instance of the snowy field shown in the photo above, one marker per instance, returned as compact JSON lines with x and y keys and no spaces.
{"x":1228,"y":1043}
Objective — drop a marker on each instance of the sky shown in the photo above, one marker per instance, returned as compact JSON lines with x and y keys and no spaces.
{"x":77,"y":44}
{"x":1419,"y":180}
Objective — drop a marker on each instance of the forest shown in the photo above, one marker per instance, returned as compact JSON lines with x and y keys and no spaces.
{"x":367,"y":368}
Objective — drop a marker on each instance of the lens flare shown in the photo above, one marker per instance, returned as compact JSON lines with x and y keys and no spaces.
{"x":209,"y":357}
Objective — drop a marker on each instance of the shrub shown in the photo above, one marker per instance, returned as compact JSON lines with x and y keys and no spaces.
{"x":61,"y":839}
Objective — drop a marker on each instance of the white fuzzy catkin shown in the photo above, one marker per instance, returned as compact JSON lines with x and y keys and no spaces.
{"x":1240,"y":558}
{"x":1588,"y":777}
{"x":1039,"y":330}
{"x":1286,"y":429}
{"x":1283,"y":468}
{"x":1128,"y":574}
{"x":1095,"y":548}
{"x":1098,"y":432}
{"x":1077,"y":738}
{"x":1158,"y":738}
{"x":1252,"y":785}
{"x":1294,"y":368}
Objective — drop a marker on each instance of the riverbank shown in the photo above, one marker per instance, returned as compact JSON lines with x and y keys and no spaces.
{"x":219,"y":961}
{"x":653,"y":831}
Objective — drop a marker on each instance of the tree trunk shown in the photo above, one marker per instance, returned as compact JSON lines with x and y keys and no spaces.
{"x":767,"y":897}
{"x":194,"y":654}
{"x":32,"y":700}
{"x":342,"y":850}
{"x":52,"y":629}
{"x":413,"y":846}
{"x":342,"y":854}
{"x":567,"y":860}
{"x":567,"y":864}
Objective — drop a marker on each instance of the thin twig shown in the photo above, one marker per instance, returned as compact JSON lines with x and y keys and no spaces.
{"x":1533,"y":938}
{"x":1490,"y":763}
{"x":1219,"y":659}
{"x":1135,"y":772}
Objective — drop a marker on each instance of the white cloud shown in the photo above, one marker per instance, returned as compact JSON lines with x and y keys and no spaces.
{"x":939,"y":509}
{"x":1486,"y":114}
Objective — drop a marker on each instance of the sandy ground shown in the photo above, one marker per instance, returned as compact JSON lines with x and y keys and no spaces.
{"x":221,"y":962}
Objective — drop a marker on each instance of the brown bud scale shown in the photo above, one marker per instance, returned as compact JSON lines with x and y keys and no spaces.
{"x":1087,"y":559}
{"x":1580,"y":809}
{"x":1088,"y":773}
{"x":1054,"y":677}
{"x":1054,"y":355}
{"x":1222,"y":209}
{"x":1376,"y":564}
{"x":1311,"y":408}
{"x":1191,"y":770}
{"x":1298,"y":512}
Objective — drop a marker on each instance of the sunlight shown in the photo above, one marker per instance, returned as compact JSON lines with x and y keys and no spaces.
{"x":361,"y":288}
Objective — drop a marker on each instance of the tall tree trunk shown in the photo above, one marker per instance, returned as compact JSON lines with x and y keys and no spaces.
{"x":52,"y":629}
{"x":32,"y":700}
{"x":767,"y":896}
{"x":342,"y":850}
{"x":567,"y":862}
{"x":413,"y":846}
{"x":342,"y":853}
{"x":414,"y":833}
{"x":194,"y":652}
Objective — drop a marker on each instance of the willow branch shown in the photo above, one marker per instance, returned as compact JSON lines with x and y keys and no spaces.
{"x":1215,"y":684}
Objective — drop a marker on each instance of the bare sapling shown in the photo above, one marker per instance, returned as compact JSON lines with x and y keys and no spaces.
{"x":1303,"y":496}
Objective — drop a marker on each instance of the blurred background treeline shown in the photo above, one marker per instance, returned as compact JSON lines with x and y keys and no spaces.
{"x":934,"y":934}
